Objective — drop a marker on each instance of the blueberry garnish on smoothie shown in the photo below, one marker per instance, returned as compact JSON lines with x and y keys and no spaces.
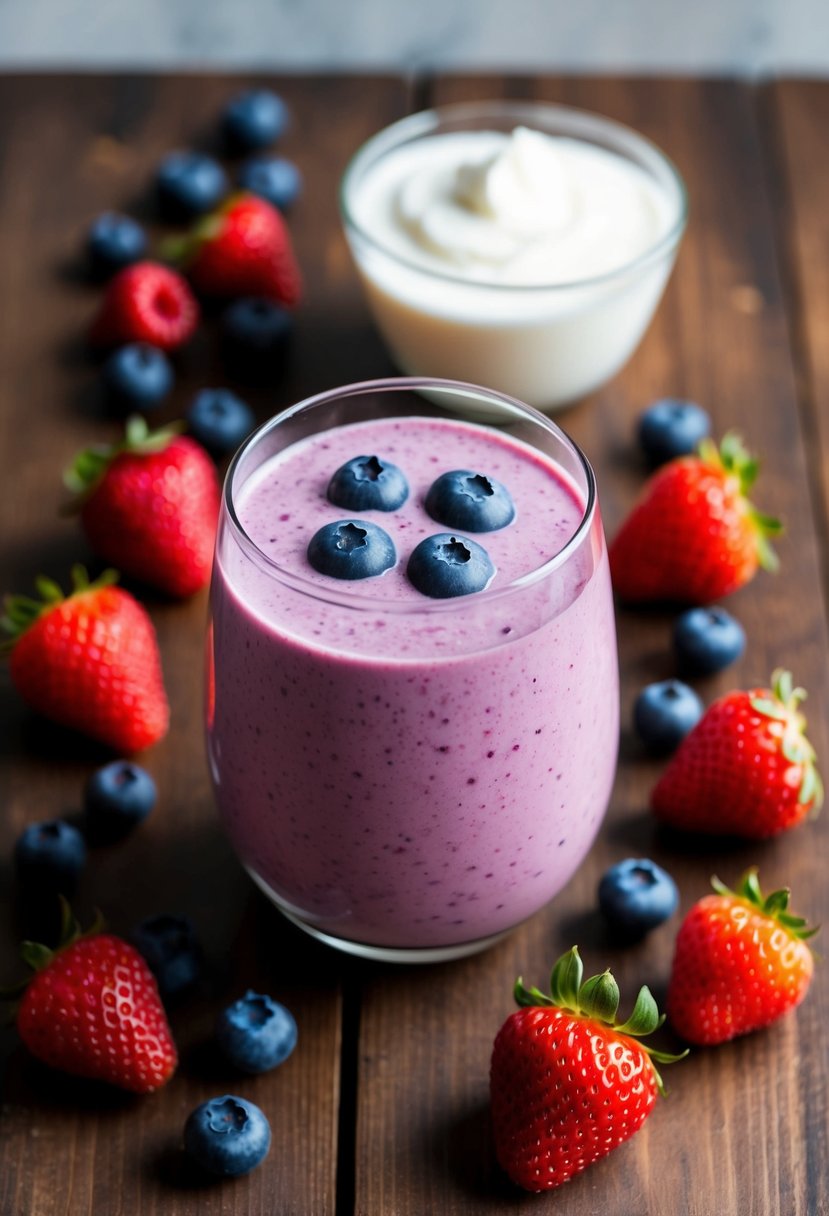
{"x":351,"y":549}
{"x":367,"y":483}
{"x":443,"y":566}
{"x":463,"y":499}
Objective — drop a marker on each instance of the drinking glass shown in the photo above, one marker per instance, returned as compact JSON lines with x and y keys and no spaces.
{"x":408,"y":778}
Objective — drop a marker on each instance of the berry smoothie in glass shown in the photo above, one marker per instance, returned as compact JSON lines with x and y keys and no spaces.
{"x":413,"y":703}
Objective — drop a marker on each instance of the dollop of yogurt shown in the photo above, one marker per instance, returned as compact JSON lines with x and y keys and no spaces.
{"x":519,"y":209}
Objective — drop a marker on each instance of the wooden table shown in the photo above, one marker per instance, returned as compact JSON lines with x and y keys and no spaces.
{"x":383,"y":1108}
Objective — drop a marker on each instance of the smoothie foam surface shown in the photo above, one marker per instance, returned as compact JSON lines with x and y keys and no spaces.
{"x":284,"y":502}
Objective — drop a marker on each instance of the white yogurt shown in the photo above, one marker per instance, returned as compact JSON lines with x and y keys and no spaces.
{"x":517,"y":210}
{"x":514,"y":259}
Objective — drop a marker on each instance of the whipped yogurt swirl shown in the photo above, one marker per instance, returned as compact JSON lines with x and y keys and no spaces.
{"x":519,"y":209}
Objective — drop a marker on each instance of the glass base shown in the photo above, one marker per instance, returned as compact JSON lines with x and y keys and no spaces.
{"x":381,"y":954}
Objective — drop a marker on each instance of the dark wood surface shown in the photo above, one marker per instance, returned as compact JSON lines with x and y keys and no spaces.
{"x":382,"y":1109}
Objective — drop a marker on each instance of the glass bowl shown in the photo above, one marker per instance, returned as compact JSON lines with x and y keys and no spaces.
{"x":548,"y":345}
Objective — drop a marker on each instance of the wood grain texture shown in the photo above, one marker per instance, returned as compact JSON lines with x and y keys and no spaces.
{"x":383,"y":1108}
{"x":795,"y":115}
{"x":71,"y":148}
{"x":741,"y":1132}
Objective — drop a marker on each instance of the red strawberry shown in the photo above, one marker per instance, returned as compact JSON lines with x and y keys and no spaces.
{"x":93,"y":1009}
{"x":740,"y":963}
{"x":89,"y":661}
{"x":746,"y":769}
{"x":150,"y":506}
{"x":568,"y":1083}
{"x":243,"y":249}
{"x":146,"y":302}
{"x":693,"y":536}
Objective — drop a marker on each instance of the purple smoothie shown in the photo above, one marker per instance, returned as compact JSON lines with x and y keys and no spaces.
{"x":401,"y":771}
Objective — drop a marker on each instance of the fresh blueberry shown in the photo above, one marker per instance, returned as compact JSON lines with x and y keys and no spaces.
{"x":189,"y":184}
{"x":254,"y":120}
{"x":172,"y":951}
{"x":255,"y":334}
{"x":256,"y":1033}
{"x":273,"y":178}
{"x":443,"y":566}
{"x":367,"y":483}
{"x":351,"y":549}
{"x":707,"y":640}
{"x":635,"y":896}
{"x":672,"y":427}
{"x":137,"y":377}
{"x":664,"y":713}
{"x":462,"y":499}
{"x":117,"y":798}
{"x":113,"y":242}
{"x":50,"y":855}
{"x":227,"y":1136}
{"x":220,"y":420}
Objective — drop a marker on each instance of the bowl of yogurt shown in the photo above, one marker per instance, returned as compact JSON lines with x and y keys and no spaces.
{"x":522,"y":246}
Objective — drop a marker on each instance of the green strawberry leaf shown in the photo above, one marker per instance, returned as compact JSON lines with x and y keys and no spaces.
{"x":181,"y":250}
{"x":48,"y":590}
{"x":36,"y":955}
{"x":774,"y":906}
{"x":769,"y":708}
{"x":811,"y":788}
{"x":732,"y":457}
{"x":751,"y":888}
{"x":89,"y":466}
{"x":597,"y":999}
{"x":782,"y":706}
{"x":644,"y":1018}
{"x":783,"y":686}
{"x":766,"y":556}
{"x":528,"y":996}
{"x":708,"y":451}
{"x":662,"y":1057}
{"x":21,"y":611}
{"x":769,"y":525}
{"x":565,"y":980}
{"x":777,"y":903}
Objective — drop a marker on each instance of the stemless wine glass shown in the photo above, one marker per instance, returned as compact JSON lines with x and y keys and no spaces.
{"x":409,"y":777}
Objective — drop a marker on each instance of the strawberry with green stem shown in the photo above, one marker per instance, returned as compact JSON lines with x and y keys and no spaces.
{"x":88,"y":661}
{"x":149,"y":504}
{"x":746,"y":769}
{"x":92,"y":1009}
{"x":568,"y":1082}
{"x":693,"y":536}
{"x":740,"y":962}
{"x":242,"y":249}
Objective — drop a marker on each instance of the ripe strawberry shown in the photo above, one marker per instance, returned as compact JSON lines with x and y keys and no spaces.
{"x":746,"y":769}
{"x":693,"y":536}
{"x":93,"y":1010}
{"x":740,"y":962}
{"x":567,"y":1082}
{"x":150,"y":506}
{"x":89,"y":661}
{"x":242,"y":249}
{"x":146,"y":302}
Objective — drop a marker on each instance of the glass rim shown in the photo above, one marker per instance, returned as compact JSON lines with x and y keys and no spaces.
{"x":356,"y":600}
{"x":424,"y":121}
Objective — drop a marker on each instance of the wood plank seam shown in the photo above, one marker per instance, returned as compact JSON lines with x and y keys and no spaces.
{"x":784,"y":216}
